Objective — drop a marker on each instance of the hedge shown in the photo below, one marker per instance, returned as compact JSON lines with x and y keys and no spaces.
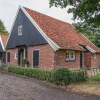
{"x":60,"y":76}
{"x":79,"y":76}
{"x":32,"y":72}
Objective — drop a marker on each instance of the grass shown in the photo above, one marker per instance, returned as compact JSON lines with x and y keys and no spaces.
{"x":95,"y":77}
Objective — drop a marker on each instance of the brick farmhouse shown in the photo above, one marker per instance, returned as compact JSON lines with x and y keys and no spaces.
{"x":38,"y":40}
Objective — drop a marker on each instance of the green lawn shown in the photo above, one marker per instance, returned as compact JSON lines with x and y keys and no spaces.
{"x":95,"y":77}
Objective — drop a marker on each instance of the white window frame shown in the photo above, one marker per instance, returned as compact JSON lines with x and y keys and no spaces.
{"x":16,"y":56}
{"x":70,"y":55}
{"x":20,"y":30}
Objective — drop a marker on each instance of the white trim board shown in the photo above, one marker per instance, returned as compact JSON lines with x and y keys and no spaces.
{"x":2,"y":43}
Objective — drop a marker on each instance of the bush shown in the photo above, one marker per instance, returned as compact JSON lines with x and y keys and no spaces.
{"x":36,"y":73}
{"x":32,"y":72}
{"x":16,"y":70}
{"x":62,"y":76}
{"x":95,"y":77}
{"x":79,"y":76}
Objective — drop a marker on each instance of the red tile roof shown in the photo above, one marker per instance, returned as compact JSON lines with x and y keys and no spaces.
{"x":4,"y":39}
{"x":63,"y":34}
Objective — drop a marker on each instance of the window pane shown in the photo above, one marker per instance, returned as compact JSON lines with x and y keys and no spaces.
{"x":70,"y":55}
{"x":19,"y":30}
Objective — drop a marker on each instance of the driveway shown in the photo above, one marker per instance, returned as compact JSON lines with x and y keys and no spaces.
{"x":18,"y":88}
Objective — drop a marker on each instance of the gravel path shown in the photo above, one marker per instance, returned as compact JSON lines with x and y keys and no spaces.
{"x":18,"y":88}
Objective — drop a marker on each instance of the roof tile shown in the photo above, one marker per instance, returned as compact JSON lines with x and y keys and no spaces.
{"x":63,"y":34}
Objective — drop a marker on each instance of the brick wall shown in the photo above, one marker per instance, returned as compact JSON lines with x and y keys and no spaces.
{"x":87,"y":59}
{"x":13,"y":60}
{"x":46,"y":56}
{"x":49,"y":59}
{"x":60,"y":60}
{"x":98,"y":59}
{"x":92,"y":60}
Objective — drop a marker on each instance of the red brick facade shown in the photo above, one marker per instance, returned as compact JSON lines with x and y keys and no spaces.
{"x":60,"y":60}
{"x":13,"y":60}
{"x":91,"y":60}
{"x":98,"y":59}
{"x":48,"y":58}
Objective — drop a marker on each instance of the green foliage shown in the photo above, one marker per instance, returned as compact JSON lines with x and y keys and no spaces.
{"x":95,"y":77}
{"x":2,"y":28}
{"x":86,"y":11}
{"x":97,"y":40}
{"x":36,"y":73}
{"x":94,"y":38}
{"x":31,"y":72}
{"x":16,"y":70}
{"x":62,"y":76}
{"x":79,"y":76}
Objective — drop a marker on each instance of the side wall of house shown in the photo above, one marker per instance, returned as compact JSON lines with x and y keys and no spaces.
{"x":98,"y":59}
{"x":46,"y":56}
{"x":13,"y":60}
{"x":92,"y":60}
{"x":87,"y":59}
{"x":48,"y":59}
{"x":60,"y":60}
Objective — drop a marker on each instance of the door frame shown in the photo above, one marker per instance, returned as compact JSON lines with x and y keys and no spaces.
{"x":25,"y":54}
{"x":81,"y":59}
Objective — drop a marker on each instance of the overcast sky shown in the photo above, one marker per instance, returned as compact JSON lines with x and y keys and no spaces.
{"x":8,"y":9}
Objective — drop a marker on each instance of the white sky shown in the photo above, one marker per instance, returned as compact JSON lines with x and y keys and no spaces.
{"x":8,"y":10}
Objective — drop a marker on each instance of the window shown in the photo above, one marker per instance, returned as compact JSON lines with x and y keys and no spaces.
{"x":8,"y":56}
{"x":19,"y":30}
{"x":70,"y":55}
{"x":16,"y":55}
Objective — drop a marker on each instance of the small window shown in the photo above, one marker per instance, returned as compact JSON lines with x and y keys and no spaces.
{"x":16,"y":55}
{"x":8,"y":56}
{"x":19,"y":30}
{"x":70,"y":55}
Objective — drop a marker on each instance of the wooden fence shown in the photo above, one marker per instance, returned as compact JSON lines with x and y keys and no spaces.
{"x":93,"y":71}
{"x":88,"y":71}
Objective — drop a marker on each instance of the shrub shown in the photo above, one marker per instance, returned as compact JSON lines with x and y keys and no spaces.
{"x":79,"y":76}
{"x":95,"y":77}
{"x":16,"y":70}
{"x":32,"y":72}
{"x":49,"y":76}
{"x":62,"y":76}
{"x":36,"y":73}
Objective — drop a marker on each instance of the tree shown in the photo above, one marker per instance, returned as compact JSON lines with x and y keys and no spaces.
{"x":2,"y":28}
{"x":94,"y":38}
{"x":86,"y":11}
{"x":97,"y":40}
